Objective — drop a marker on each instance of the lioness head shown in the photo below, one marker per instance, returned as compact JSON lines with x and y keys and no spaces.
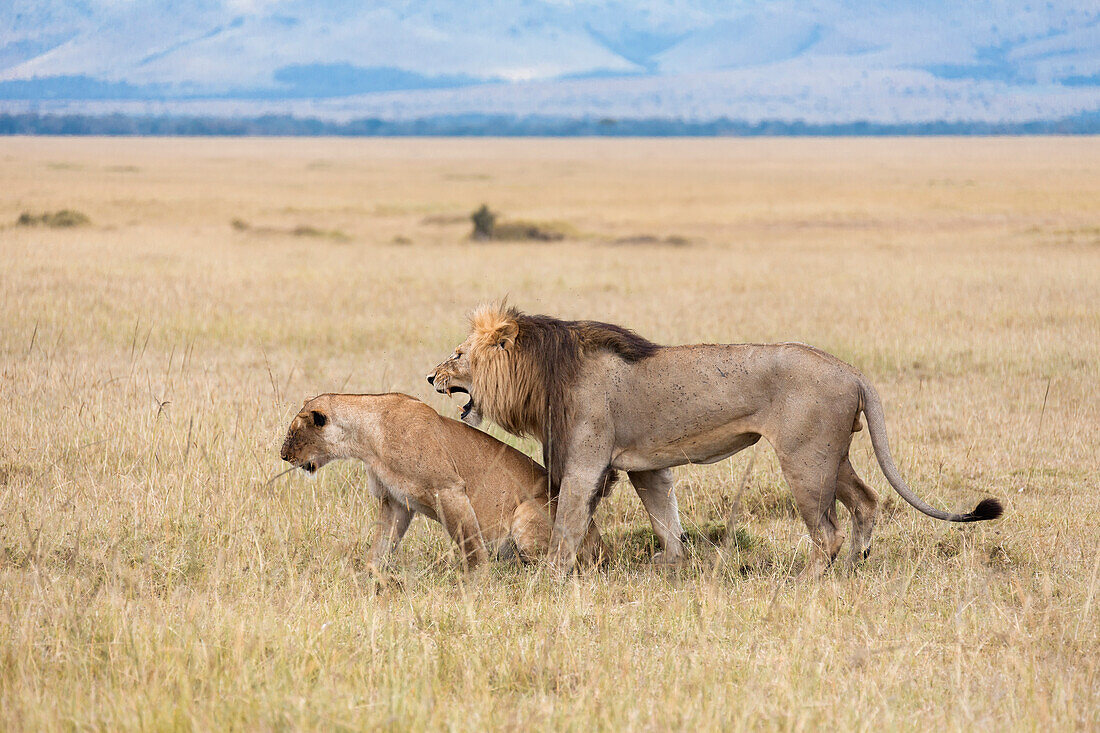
{"x":313,"y":437}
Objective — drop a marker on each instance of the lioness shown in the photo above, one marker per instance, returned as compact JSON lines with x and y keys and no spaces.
{"x":489,"y":497}
{"x":600,"y":398}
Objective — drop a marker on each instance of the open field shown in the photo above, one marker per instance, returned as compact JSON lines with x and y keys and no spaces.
{"x":152,"y":359}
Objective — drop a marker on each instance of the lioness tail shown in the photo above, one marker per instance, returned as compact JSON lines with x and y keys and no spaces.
{"x":876,"y":426}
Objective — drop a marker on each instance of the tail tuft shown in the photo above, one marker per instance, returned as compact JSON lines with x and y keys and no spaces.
{"x":986,"y":509}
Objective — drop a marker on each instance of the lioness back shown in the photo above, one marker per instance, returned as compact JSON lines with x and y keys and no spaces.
{"x":494,"y":472}
{"x":478,"y":453}
{"x":497,"y":477}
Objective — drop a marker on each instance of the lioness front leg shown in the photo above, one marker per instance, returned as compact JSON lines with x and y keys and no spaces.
{"x":393,"y":521}
{"x":658,"y":495}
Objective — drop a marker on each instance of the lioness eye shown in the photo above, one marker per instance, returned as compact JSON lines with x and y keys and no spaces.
{"x":319,"y":418}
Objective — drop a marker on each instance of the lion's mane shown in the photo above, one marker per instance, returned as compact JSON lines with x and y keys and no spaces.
{"x":523,"y":368}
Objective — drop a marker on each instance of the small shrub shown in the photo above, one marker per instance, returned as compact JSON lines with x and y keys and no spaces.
{"x":443,"y":219}
{"x":57,"y":219}
{"x":310,"y":231}
{"x":673,"y":240}
{"x":528,"y":231}
{"x":302,"y":230}
{"x":65,"y":218}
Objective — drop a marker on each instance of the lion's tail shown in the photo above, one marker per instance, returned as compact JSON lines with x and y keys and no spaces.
{"x":876,"y":426}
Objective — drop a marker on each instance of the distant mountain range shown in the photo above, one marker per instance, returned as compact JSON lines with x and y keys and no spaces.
{"x":819,"y":62}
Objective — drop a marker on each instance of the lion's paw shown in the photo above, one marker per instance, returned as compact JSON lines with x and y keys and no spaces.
{"x":667,"y":559}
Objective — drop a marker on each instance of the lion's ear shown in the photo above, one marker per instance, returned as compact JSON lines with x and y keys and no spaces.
{"x":492,"y":326}
{"x":505,"y":335}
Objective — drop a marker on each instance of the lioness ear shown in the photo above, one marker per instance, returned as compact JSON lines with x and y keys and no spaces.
{"x":318,"y":418}
{"x":505,"y":334}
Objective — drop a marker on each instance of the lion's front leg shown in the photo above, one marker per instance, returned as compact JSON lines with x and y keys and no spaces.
{"x":580,"y":492}
{"x":658,"y":495}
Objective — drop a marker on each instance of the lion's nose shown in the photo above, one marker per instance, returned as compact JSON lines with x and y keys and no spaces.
{"x":431,"y":379}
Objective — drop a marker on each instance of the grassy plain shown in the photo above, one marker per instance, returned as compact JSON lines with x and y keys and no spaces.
{"x":151,"y":360}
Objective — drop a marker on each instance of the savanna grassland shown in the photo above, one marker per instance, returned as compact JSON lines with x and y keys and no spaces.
{"x":151,"y":576}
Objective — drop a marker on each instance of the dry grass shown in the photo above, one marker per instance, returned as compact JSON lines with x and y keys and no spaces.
{"x":150,"y":578}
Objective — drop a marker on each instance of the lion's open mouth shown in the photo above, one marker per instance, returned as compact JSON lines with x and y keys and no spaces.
{"x":309,"y":467}
{"x":468,"y":407}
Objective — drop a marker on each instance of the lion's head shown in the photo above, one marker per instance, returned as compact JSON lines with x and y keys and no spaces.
{"x":313,"y":438}
{"x":518,"y":371}
{"x":499,"y":377}
{"x":452,"y":376}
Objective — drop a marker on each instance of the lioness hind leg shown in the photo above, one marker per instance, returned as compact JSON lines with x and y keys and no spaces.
{"x":531,"y":533}
{"x":460,"y":521}
{"x":862,"y":503}
{"x":813,"y":481}
{"x":594,"y":551}
{"x":531,"y":530}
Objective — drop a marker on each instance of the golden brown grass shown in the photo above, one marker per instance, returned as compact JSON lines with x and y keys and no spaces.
{"x":150,"y":578}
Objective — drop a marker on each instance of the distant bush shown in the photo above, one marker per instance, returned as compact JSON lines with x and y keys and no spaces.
{"x":484,"y":223}
{"x":57,"y":219}
{"x":487,"y":226}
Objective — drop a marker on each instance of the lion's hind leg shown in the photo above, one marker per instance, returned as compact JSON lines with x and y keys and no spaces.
{"x":862,"y":503}
{"x":658,"y":495}
{"x":812,"y":476}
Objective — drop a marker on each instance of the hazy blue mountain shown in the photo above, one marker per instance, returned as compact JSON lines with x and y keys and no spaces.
{"x":816,"y":60}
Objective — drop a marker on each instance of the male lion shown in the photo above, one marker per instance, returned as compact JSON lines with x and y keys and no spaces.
{"x":602,"y":398}
{"x":489,"y":497}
